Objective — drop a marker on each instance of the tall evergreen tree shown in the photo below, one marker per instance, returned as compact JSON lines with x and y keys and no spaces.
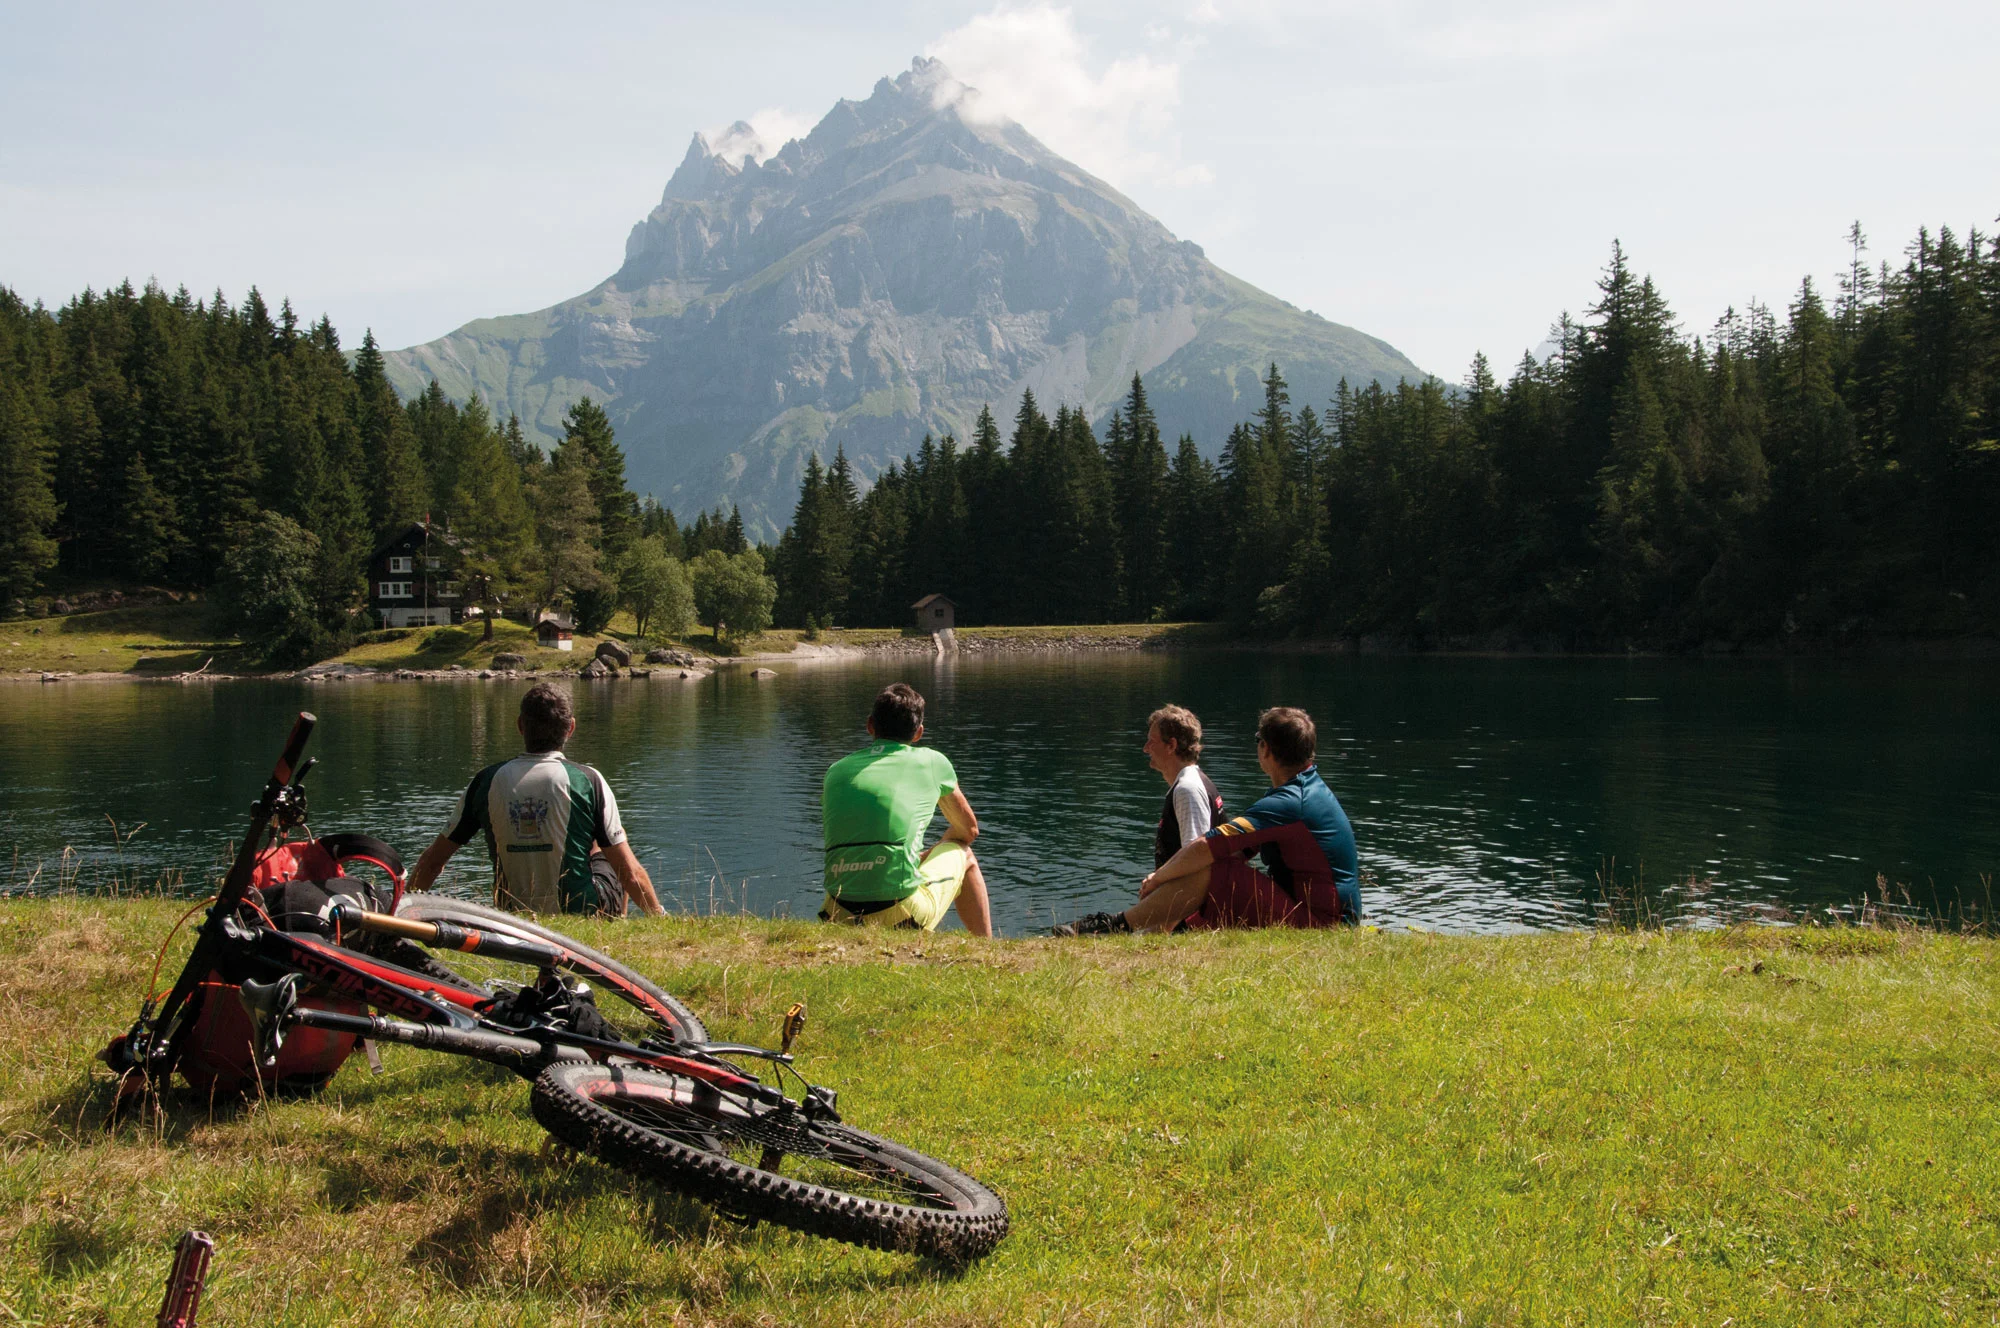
{"x":1139,"y":483}
{"x":397,"y":487}
{"x":588,"y":442}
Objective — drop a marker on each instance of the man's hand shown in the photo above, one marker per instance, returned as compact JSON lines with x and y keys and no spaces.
{"x":425,"y":873}
{"x":638,"y":885}
{"x":1194,"y":857}
{"x":964,"y":826}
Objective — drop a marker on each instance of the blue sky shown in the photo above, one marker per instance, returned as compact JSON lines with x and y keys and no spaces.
{"x":1447,"y":176}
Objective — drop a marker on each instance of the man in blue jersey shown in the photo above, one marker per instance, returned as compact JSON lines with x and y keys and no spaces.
{"x":551,"y":825}
{"x":1299,"y":832}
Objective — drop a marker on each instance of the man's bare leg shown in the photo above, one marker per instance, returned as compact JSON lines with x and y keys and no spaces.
{"x":1174,"y":900}
{"x":973,"y":909}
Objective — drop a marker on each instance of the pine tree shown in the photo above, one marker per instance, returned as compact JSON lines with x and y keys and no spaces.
{"x":27,"y":492}
{"x":1139,"y":482}
{"x":587,"y":435}
{"x":397,"y":487}
{"x":567,"y":560}
{"x":1193,"y":506}
{"x":145,"y":525}
{"x":657,"y":522}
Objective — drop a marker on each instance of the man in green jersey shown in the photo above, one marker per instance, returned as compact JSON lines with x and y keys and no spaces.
{"x":875,"y":807}
{"x":551,"y":825}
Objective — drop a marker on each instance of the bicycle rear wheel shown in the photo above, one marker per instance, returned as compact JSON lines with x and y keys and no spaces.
{"x":753,"y":1161}
{"x":643,"y":1009}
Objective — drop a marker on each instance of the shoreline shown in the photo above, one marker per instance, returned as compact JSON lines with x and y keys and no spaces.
{"x":859,"y":644}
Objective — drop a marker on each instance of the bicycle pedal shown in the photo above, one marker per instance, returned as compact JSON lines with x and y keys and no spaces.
{"x":795,"y":1019}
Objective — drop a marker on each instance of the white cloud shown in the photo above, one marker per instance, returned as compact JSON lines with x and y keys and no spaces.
{"x":768,"y":130}
{"x":1548,"y":35}
{"x":1031,"y":65}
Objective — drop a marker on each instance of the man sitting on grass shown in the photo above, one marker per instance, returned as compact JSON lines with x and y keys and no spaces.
{"x":875,"y":807}
{"x":551,"y":825}
{"x":1300,"y":833}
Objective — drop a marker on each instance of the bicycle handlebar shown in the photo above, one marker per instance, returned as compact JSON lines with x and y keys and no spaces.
{"x":175,"y":1014}
{"x":295,"y":747}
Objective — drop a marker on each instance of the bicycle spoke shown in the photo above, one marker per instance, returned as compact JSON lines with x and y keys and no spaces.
{"x":815,"y":1153}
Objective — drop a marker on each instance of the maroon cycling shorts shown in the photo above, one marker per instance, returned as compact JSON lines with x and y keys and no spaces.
{"x":1241,"y":896}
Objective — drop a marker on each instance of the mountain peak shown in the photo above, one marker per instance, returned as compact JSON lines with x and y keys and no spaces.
{"x":909,"y":261}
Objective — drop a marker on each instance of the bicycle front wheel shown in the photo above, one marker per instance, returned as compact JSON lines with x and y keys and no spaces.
{"x":775,"y":1165}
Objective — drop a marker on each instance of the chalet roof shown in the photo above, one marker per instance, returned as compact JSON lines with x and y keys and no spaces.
{"x":929,"y":600}
{"x":560,"y":622}
{"x":418,"y":529}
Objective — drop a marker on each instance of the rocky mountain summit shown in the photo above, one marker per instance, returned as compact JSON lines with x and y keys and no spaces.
{"x":905,"y":263}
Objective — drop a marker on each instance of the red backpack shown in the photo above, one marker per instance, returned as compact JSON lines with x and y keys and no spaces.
{"x":294,"y":887}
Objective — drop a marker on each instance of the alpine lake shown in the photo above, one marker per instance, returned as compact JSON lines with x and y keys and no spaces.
{"x":1487,"y":794}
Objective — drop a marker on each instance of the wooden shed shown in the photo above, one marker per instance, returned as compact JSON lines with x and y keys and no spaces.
{"x":553,"y":631}
{"x":934,"y":613}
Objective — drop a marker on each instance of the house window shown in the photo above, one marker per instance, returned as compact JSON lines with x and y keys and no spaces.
{"x":400,"y":565}
{"x":394,"y":589}
{"x":937,"y":613}
{"x":449,"y":590}
{"x":432,"y":564}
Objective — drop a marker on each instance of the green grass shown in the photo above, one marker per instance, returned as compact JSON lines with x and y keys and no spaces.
{"x":160,"y":639}
{"x":168,"y":638}
{"x":1764,"y":1127}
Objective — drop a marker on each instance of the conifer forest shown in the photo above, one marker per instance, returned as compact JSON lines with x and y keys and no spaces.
{"x":1822,"y":474}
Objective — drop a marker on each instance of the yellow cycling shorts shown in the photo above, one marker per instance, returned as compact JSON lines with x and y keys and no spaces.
{"x":938,"y":880}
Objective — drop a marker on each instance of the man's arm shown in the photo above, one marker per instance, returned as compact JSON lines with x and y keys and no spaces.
{"x":1193,"y":858}
{"x":425,"y":873}
{"x":638,"y":885}
{"x":962,"y":827}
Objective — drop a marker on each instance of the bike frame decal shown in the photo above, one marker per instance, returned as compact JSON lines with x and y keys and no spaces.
{"x":383,"y":986}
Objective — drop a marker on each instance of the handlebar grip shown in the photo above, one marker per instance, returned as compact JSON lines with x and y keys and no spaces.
{"x":295,"y":746}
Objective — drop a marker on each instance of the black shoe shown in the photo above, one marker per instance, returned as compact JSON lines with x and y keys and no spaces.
{"x":1094,"y":924}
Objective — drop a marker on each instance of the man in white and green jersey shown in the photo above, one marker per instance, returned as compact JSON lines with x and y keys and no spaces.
{"x":551,"y":825}
{"x":875,"y":807}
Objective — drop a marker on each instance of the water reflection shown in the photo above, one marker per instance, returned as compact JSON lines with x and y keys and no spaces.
{"x":1487,"y":794}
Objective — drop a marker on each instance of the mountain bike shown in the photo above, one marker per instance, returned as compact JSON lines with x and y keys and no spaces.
{"x":278,"y":979}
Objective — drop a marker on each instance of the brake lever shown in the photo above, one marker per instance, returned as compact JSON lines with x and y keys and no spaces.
{"x":270,"y":1006}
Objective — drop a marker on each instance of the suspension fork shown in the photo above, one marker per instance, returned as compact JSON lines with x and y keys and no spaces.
{"x":177,"y":1013}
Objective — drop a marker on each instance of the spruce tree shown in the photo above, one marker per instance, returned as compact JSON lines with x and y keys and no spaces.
{"x":588,"y":438}
{"x":27,"y":492}
{"x":1139,"y":484}
{"x":396,"y":486}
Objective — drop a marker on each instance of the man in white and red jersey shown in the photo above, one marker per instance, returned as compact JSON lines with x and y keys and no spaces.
{"x":551,"y":825}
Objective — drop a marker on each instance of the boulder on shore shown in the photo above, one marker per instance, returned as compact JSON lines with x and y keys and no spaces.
{"x":599,"y":668}
{"x":615,"y":652}
{"x":509,"y":661}
{"x":662,"y":655}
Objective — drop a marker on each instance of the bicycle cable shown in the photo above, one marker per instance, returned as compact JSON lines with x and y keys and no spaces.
{"x":153,"y":992}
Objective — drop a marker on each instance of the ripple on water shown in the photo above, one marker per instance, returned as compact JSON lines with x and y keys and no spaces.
{"x":1487,"y":794}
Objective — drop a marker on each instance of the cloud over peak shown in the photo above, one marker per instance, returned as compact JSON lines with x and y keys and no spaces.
{"x":1031,"y":65}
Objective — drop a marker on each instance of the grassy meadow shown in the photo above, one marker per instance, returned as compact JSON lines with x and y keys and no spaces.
{"x":159,"y":639}
{"x":1757,"y":1127}
{"x":143,"y":639}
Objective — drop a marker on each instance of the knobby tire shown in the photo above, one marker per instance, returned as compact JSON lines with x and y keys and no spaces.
{"x":679,"y":1133}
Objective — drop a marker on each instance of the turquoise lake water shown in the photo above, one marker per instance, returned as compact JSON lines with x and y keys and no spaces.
{"x":1486,"y":794}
